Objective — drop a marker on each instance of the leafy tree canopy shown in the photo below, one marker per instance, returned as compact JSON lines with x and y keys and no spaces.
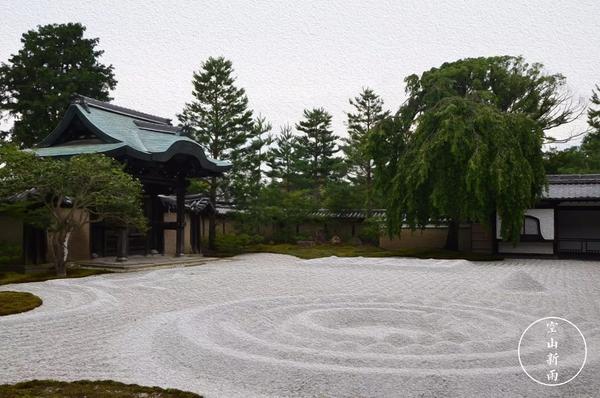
{"x":278,"y":208}
{"x":567,"y":161}
{"x":467,"y":143}
{"x":36,"y":84}
{"x":61,"y":194}
{"x":342,"y":195}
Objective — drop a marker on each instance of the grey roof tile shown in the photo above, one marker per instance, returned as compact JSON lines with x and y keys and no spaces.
{"x":573,"y":186}
{"x":142,"y":135}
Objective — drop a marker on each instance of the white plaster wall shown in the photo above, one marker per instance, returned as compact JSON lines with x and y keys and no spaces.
{"x":546,"y":217}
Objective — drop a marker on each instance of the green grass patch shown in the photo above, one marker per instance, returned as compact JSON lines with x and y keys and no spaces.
{"x":17,"y":277}
{"x":327,"y":250}
{"x":88,"y":389}
{"x":16,"y":302}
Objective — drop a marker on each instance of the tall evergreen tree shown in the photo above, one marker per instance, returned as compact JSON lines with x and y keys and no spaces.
{"x":248,"y":162}
{"x":317,"y":146}
{"x":368,"y":113}
{"x":36,"y":84}
{"x":594,"y":110}
{"x":218,"y":118}
{"x":590,"y":147}
{"x":283,"y":159}
{"x":584,"y":158}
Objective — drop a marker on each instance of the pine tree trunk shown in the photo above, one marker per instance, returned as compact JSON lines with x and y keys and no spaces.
{"x":316,"y":180}
{"x":452,"y":238}
{"x":369,"y":193}
{"x":212,"y":218}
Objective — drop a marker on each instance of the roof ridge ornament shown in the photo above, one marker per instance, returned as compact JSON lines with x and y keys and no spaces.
{"x":80,"y":100}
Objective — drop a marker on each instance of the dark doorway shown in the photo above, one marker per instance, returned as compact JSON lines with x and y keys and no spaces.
{"x":578,"y":231}
{"x":105,"y":237}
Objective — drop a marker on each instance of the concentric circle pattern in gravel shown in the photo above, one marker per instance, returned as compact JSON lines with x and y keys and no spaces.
{"x":272,"y":325}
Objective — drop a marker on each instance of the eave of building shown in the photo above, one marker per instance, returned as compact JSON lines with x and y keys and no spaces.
{"x":125,"y":132}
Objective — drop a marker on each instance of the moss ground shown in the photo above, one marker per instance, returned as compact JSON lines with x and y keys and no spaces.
{"x":88,"y":389}
{"x":16,"y":302}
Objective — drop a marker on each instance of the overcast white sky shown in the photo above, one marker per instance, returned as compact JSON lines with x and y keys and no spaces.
{"x":292,"y":55}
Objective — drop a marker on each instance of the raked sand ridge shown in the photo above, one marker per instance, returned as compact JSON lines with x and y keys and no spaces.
{"x":273,"y":325}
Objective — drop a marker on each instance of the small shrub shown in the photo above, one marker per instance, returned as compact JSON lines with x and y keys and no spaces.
{"x":370,"y":231}
{"x":301,"y":237}
{"x":236,"y":243}
{"x":10,"y":253}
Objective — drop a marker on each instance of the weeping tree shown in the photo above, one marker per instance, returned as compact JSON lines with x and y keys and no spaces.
{"x":65,"y":195}
{"x":467,"y":144}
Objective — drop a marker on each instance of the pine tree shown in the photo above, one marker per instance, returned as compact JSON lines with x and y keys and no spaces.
{"x":248,"y":162}
{"x":368,"y":112}
{"x":590,"y":147}
{"x":584,"y":158}
{"x":594,"y":110}
{"x":283,"y":159}
{"x":218,"y":118}
{"x":36,"y":84}
{"x":317,"y":147}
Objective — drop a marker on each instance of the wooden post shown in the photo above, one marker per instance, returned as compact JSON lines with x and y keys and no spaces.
{"x":179,"y":240}
{"x":122,"y":243}
{"x":556,"y":242}
{"x":195,"y":233}
{"x":201,"y":235}
{"x":26,"y":251}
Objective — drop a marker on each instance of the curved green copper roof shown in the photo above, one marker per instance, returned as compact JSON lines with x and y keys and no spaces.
{"x":128,"y":132}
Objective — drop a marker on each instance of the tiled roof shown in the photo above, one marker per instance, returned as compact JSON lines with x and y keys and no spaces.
{"x":196,"y":203}
{"x":137,"y":134}
{"x":350,"y":213}
{"x":87,"y":101}
{"x":71,"y":150}
{"x":573,"y":186}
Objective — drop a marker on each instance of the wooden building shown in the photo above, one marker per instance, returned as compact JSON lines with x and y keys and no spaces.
{"x":565,"y":223}
{"x":154,"y":151}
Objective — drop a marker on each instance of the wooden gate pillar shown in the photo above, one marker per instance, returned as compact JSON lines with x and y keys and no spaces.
{"x":122,"y":244}
{"x":179,"y":238}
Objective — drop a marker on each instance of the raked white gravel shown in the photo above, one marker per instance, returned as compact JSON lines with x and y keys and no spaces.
{"x":267,"y":325}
